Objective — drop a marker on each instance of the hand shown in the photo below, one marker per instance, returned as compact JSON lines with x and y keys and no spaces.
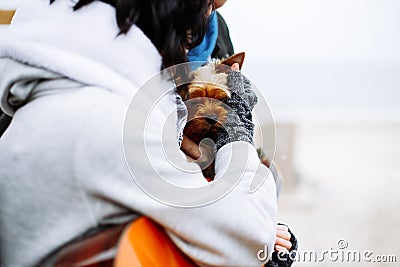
{"x":282,"y":242}
{"x":286,"y":246}
{"x":190,"y":148}
{"x":203,"y":154}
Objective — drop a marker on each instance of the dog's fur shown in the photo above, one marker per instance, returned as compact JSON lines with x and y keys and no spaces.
{"x":204,"y":98}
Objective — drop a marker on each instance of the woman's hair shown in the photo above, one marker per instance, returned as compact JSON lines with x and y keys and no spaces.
{"x":172,"y":25}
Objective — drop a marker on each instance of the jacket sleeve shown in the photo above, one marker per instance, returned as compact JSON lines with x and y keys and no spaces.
{"x":227,"y":230}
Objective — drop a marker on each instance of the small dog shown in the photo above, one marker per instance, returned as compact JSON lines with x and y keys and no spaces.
{"x":204,"y":98}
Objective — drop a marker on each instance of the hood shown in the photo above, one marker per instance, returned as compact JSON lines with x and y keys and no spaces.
{"x":21,"y":83}
{"x":82,"y":45}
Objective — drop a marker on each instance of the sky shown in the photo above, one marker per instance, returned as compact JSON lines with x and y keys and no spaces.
{"x":317,"y":30}
{"x":321,"y":59}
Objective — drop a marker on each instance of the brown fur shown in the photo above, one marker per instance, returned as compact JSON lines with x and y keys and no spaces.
{"x":207,"y":94}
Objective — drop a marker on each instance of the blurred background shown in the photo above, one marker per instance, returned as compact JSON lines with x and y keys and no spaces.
{"x":330,"y":71}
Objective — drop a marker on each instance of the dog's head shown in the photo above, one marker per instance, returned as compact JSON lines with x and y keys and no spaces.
{"x":208,"y":83}
{"x":206,"y":96}
{"x":210,"y":80}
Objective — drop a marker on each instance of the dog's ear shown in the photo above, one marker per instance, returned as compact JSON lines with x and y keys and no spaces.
{"x":183,"y":91}
{"x":236,"y":58}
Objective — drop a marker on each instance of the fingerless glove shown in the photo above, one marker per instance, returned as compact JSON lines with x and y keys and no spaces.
{"x":238,"y":125}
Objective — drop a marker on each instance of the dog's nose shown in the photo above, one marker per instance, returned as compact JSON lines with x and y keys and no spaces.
{"x":212,"y":119}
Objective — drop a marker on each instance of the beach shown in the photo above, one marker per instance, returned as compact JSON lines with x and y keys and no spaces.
{"x":344,"y":188}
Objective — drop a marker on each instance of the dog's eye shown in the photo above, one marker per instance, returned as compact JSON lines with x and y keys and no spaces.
{"x":222,"y":99}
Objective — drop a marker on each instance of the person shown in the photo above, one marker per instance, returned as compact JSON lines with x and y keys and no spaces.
{"x":68,"y":85}
{"x":217,"y":43}
{"x":218,"y":48}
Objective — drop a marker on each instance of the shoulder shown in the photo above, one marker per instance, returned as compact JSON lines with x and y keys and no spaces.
{"x":224,"y":46}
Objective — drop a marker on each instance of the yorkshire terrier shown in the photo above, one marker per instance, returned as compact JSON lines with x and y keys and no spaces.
{"x":204,"y":98}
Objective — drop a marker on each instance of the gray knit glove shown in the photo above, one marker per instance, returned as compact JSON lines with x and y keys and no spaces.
{"x":238,"y":125}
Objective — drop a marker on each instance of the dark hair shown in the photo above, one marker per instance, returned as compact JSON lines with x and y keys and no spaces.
{"x":167,"y":23}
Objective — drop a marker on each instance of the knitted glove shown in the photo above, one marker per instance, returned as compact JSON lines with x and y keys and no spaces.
{"x":238,"y":125}
{"x":284,"y":260}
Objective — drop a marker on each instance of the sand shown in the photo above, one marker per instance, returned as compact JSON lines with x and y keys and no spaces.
{"x":346,"y":187}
